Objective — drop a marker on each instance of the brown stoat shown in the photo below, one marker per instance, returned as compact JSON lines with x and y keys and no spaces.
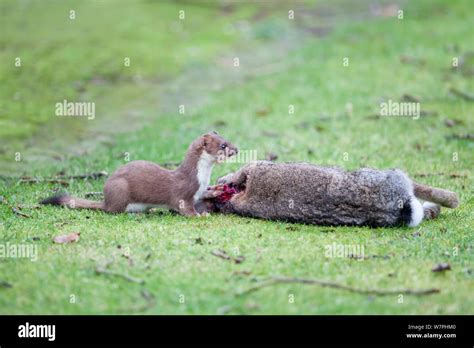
{"x":141,"y":185}
{"x":306,"y":193}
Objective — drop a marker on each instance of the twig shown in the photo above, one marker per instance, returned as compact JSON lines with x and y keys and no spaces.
{"x":86,"y":176}
{"x":324,"y":283}
{"x":61,"y":179}
{"x":19,"y":213}
{"x":37,"y":181}
{"x":100,"y":270}
{"x":150,"y":303}
{"x":223,"y":255}
{"x":464,"y":95}
{"x":92,"y":194}
{"x":450,"y":175}
{"x":461,"y":136}
{"x":15,"y":211}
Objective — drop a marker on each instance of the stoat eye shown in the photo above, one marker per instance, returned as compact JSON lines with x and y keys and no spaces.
{"x":223,"y":146}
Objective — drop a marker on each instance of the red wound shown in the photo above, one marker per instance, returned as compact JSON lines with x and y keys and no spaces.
{"x":227,"y":193}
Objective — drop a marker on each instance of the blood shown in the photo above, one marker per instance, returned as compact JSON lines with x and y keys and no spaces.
{"x":227,"y":193}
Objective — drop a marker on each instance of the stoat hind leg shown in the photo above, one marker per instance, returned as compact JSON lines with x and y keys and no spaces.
{"x":138,"y":208}
{"x":116,"y":196}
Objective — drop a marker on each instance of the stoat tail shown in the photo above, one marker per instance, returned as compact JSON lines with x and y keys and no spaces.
{"x":73,"y":202}
{"x":442,"y":197}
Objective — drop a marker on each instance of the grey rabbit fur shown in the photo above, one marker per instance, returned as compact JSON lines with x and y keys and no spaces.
{"x":311,"y":194}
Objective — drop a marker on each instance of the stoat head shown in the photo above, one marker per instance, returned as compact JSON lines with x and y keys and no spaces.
{"x":217,"y":147}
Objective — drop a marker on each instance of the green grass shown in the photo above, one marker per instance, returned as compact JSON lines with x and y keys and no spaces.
{"x":80,"y":59}
{"x":172,"y":254}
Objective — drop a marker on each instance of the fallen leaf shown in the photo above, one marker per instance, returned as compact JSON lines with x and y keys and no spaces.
{"x":68,"y":238}
{"x":449,"y":123}
{"x":221,"y":253}
{"x":441,"y":267}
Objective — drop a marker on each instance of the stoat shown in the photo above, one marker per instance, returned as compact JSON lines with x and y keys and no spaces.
{"x":306,"y":193}
{"x":141,"y":185}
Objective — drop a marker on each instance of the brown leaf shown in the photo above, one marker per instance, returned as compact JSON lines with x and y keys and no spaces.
{"x":453,"y":122}
{"x":68,"y":238}
{"x":441,"y":267}
{"x":449,"y":123}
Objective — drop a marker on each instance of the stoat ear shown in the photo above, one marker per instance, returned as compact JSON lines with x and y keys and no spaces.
{"x":213,"y":132}
{"x":204,"y":140}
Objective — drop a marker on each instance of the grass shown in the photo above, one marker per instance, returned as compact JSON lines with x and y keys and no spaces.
{"x":332,"y":125}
